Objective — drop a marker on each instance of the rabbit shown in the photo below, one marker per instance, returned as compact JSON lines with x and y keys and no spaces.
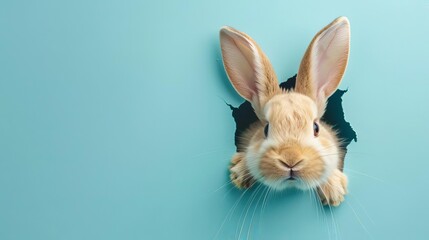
{"x":289,"y":146}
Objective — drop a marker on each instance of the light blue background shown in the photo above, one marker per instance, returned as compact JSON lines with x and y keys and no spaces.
{"x":113,"y":125}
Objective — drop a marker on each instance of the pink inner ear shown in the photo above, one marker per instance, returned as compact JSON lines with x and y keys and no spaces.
{"x":239,"y":62}
{"x":329,"y":58}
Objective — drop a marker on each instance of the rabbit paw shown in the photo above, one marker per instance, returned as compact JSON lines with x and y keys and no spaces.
{"x":332,"y":192}
{"x":239,"y":174}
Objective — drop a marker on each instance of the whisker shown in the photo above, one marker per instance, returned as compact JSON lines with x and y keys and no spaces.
{"x":247,"y":177}
{"x":320,"y":205}
{"x":359,"y":220}
{"x":364,"y":174}
{"x":264,"y":203}
{"x":231,"y":211}
{"x":362,"y":207}
{"x":334,"y":223}
{"x":248,"y":208}
{"x":254,"y":211}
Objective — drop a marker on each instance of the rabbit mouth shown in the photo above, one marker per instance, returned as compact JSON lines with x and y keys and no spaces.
{"x":291,"y":180}
{"x":294,"y":182}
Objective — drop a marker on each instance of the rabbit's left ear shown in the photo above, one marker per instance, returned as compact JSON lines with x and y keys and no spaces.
{"x":325,"y":62}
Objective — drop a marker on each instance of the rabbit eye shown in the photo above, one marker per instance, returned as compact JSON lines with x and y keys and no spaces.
{"x":266,"y":130}
{"x":316,"y":129}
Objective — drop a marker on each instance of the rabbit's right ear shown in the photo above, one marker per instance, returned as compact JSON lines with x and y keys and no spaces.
{"x":248,"y":69}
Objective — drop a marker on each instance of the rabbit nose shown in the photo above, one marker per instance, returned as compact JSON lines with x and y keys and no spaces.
{"x":290,"y":166}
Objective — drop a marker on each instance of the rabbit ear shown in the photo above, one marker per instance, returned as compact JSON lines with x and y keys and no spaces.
{"x":248,"y":69}
{"x":325,"y":62}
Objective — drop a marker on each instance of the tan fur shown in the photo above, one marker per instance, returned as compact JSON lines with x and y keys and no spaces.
{"x":291,"y":150}
{"x":329,"y":138}
{"x":240,"y":175}
{"x":332,"y":192}
{"x":307,"y":160}
{"x":268,"y":87}
{"x":253,"y":135}
{"x":290,"y":112}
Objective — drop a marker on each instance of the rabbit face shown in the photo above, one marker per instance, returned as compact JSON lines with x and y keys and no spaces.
{"x":295,"y":149}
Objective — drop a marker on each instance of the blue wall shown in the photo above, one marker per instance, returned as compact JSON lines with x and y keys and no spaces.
{"x":113,"y":124}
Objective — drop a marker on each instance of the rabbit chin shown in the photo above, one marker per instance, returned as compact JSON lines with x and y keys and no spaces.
{"x":285,"y":184}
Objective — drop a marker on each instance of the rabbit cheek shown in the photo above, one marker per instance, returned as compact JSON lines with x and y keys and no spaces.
{"x":331,"y":156}
{"x":312,"y":171}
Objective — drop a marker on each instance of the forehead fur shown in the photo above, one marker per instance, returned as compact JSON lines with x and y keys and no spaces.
{"x":291,"y":112}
